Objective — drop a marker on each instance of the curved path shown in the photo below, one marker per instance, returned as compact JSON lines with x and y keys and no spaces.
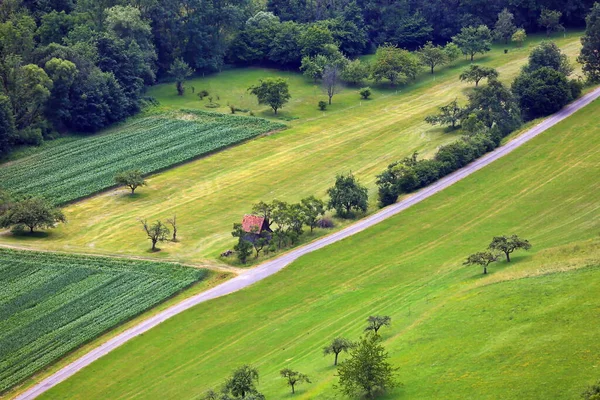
{"x":271,"y":267}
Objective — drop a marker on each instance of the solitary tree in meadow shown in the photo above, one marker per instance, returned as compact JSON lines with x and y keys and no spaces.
{"x":482,"y":258}
{"x":157,"y":232}
{"x":33,"y":213}
{"x":376,"y":322}
{"x":293,"y":378}
{"x":338,"y":345}
{"x":180,"y":71}
{"x":472,"y":40}
{"x":132,"y":179}
{"x":272,"y":91}
{"x":173,"y":223}
{"x":508,"y":244}
{"x":331,"y":80}
{"x":475,"y":73}
{"x":367,"y":372}
{"x":242,"y":382}
{"x":519,"y":37}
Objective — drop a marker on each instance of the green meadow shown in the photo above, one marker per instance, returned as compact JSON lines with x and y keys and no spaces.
{"x":524,"y":331}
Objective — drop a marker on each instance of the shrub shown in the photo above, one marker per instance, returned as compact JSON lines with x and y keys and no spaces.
{"x":322,"y":105}
{"x":576,"y":88}
{"x":232,"y":108}
{"x":325,"y":223}
{"x":365,"y":92}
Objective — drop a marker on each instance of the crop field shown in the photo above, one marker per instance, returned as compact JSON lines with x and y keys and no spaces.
{"x":50,"y":303}
{"x":83,"y":167}
{"x":524,"y":331}
{"x":210,"y":194}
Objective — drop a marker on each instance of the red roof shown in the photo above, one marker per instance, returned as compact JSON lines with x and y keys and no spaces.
{"x":252,"y":223}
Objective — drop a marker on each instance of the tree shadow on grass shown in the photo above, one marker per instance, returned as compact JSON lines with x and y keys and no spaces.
{"x":26,"y":235}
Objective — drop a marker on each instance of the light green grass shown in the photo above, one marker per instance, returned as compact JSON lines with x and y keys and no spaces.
{"x":210,"y":194}
{"x":524,"y":331}
{"x":53,"y":303}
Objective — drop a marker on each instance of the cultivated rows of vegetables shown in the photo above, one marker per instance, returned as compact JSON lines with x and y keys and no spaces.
{"x":52,"y":303}
{"x":83,"y":167}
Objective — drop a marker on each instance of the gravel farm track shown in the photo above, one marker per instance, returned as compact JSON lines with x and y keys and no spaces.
{"x":269,"y":268}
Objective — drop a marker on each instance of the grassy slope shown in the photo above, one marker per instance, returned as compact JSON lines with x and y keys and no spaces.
{"x":210,"y":194}
{"x":520,"y":331}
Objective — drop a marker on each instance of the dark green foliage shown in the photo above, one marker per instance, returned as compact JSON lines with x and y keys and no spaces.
{"x":347,"y":195}
{"x":482,"y":259}
{"x":508,"y":244}
{"x":548,"y":54}
{"x":272,"y":91}
{"x":7,"y":124}
{"x":472,"y":40}
{"x":505,"y":26}
{"x":337,"y":346}
{"x":293,"y":378}
{"x":475,"y":73}
{"x":180,"y":71}
{"x":365,"y":93}
{"x":376,"y":322}
{"x":367,"y":373}
{"x":312,"y":209}
{"x":32,"y":213}
{"x":242,"y":382}
{"x":542,"y":92}
{"x":494,"y":105}
{"x":590,"y":52}
{"x":450,"y":114}
{"x":132,"y":179}
{"x":550,"y":20}
{"x":592,"y":392}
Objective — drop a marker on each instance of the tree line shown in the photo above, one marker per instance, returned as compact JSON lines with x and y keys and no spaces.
{"x":81,"y":65}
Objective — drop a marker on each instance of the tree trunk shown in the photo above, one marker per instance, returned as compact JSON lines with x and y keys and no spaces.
{"x":180,"y":89}
{"x":472,"y":56}
{"x":330,"y":99}
{"x":31,"y":228}
{"x":484,"y":270}
{"x":433,"y":66}
{"x":293,"y":389}
{"x":336,"y":357}
{"x":154,"y":244}
{"x":132,"y":190}
{"x":507,"y":257}
{"x":275,"y":110}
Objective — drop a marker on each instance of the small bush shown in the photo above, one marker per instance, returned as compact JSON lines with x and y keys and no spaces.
{"x":365,"y":92}
{"x":251,"y":113}
{"x":322,"y":105}
{"x":325,"y":223}
{"x":212,"y":105}
{"x":576,"y":88}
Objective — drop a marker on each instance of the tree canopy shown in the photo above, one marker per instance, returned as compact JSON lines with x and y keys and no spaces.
{"x":272,"y":91}
{"x":347,"y":195}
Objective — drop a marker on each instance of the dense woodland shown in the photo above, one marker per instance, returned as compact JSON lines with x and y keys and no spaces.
{"x":80,"y":65}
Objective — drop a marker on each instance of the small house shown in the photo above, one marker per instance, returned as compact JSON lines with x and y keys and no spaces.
{"x":255,"y":227}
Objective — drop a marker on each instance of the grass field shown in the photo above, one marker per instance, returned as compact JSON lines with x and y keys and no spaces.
{"x":524,"y":331}
{"x":50,"y":303}
{"x":210,"y":194}
{"x":83,"y":167}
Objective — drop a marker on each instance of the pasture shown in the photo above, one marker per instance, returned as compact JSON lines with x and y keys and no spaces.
{"x":210,"y":194}
{"x":523,"y":331}
{"x":53,"y":303}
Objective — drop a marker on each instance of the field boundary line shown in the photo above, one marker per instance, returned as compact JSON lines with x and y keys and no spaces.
{"x":273,"y":266}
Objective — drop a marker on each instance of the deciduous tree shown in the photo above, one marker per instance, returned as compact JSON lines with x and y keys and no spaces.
{"x":475,"y":73}
{"x":242,"y":382}
{"x":550,"y":20}
{"x":432,"y":56}
{"x":590,"y":52}
{"x":482,"y":259}
{"x":519,"y":37}
{"x":347,"y":194}
{"x":472,"y":40}
{"x":313,"y":210}
{"x":180,"y":71}
{"x":542,"y":92}
{"x":355,"y":72}
{"x":157,"y":232}
{"x":376,"y":322}
{"x":548,"y":54}
{"x":367,"y":372}
{"x":505,"y":26}
{"x":450,"y":114}
{"x":272,"y":91}
{"x":508,"y":244}
{"x":394,"y":64}
{"x":338,"y":345}
{"x":293,"y":378}
{"x":34,"y":213}
{"x":132,"y":179}
{"x":331,"y":80}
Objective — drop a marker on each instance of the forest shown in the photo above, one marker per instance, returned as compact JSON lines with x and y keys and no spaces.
{"x":81,"y":65}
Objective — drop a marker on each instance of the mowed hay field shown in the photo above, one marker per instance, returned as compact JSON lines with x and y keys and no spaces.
{"x":53,"y":303}
{"x":210,"y":194}
{"x":524,"y":331}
